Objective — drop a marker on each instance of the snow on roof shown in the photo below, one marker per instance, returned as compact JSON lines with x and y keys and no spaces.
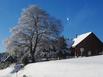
{"x":80,"y":38}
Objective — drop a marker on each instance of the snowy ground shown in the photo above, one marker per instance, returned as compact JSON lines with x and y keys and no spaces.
{"x":78,"y":67}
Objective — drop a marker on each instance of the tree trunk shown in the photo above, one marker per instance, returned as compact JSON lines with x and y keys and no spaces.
{"x":32,"y":57}
{"x":34,"y":50}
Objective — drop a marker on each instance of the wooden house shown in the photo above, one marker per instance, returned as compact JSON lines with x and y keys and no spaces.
{"x":87,"y":44}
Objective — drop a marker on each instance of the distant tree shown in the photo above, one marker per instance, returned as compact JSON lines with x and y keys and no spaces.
{"x":35,"y":27}
{"x":62,"y":48}
{"x":61,"y":42}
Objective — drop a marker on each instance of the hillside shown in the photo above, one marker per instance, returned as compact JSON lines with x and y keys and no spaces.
{"x":78,"y":67}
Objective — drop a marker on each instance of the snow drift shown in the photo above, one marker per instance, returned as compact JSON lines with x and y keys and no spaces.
{"x":78,"y":67}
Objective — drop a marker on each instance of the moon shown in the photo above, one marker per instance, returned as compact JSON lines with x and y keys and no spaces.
{"x":68,"y":19}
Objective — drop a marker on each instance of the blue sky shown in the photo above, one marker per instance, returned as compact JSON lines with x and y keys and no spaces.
{"x":84,"y":15}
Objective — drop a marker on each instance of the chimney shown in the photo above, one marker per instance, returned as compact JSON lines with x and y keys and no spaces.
{"x":76,"y":35}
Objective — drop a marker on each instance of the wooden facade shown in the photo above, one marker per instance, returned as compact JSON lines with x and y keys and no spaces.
{"x":89,"y":46}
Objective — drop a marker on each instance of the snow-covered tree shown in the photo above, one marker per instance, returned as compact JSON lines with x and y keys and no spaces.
{"x":34,"y":29}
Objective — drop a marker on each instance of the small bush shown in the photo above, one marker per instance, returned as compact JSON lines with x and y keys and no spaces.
{"x":24,"y":76}
{"x":4,"y":65}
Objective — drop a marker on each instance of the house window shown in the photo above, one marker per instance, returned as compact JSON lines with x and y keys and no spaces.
{"x":81,"y":50}
{"x":89,"y":53}
{"x":101,"y":53}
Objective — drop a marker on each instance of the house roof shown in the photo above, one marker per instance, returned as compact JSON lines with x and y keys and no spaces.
{"x":80,"y":38}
